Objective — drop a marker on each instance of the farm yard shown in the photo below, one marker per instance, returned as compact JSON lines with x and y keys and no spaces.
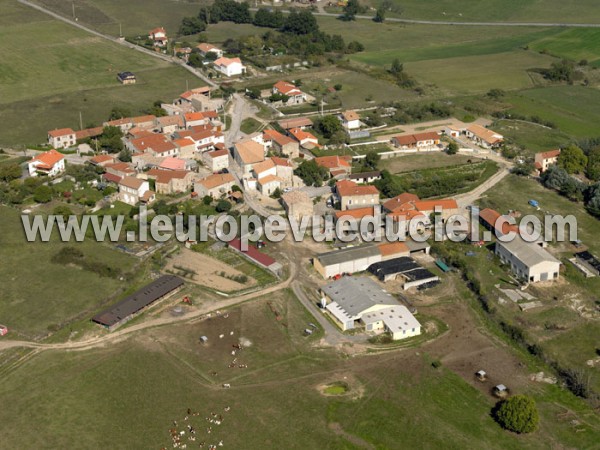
{"x":207,"y":271}
{"x":165,"y":381}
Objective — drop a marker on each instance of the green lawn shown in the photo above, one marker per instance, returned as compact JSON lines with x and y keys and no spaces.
{"x":36,"y":292}
{"x":50,"y":72}
{"x":574,"y":109}
{"x":250,"y":125}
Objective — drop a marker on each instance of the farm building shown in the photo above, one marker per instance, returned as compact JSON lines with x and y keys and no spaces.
{"x":408,"y":268}
{"x":353,"y":301}
{"x":136,"y":302}
{"x":484,"y":137}
{"x":256,"y":256}
{"x":365,"y":177}
{"x":126,"y":78}
{"x":528,"y":260}
{"x":357,"y":259}
{"x":589,"y":261}
{"x":494,"y":221}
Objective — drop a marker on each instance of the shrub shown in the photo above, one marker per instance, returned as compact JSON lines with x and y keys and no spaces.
{"x":518,"y":414}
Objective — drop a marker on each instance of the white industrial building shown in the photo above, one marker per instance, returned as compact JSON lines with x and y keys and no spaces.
{"x":528,"y":260}
{"x":356,"y":301}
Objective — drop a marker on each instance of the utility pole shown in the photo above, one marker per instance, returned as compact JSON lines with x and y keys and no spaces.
{"x":187,"y":85}
{"x":80,"y":121}
{"x":120,"y":30}
{"x":73,"y":5}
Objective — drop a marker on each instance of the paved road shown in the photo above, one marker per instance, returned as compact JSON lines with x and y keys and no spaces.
{"x":123,"y":42}
{"x":469,"y":24}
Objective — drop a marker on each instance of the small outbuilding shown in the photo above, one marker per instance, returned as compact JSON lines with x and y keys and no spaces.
{"x":500,"y":391}
{"x":481,"y":375}
{"x":126,"y":78}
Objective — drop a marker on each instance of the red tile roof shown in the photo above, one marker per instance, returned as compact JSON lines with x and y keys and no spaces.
{"x":412,"y":139}
{"x":273,"y":135}
{"x":287,"y":88}
{"x":48,"y":159}
{"x":490,"y":217}
{"x":332,"y":162}
{"x":347,"y":188}
{"x":61,"y":132}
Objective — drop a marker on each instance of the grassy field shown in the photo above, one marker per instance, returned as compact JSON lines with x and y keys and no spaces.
{"x":574,"y":109}
{"x":127,"y":395}
{"x":50,"y":71}
{"x":37,"y":293}
{"x":136,"y":17}
{"x":575,"y":44}
{"x":408,"y":163}
{"x":532,"y":137}
{"x":584,"y":11}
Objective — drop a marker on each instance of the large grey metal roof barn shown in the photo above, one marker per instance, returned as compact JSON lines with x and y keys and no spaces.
{"x":138,"y":300}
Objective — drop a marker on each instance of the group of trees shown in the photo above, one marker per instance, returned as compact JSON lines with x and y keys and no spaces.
{"x":420,"y":112}
{"x":561,"y":71}
{"x":558,"y":178}
{"x":311,"y":173}
{"x":331,"y":129}
{"x":297,"y":33}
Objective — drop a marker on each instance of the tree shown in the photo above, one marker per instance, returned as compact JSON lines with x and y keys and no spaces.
{"x":110,"y":139}
{"x":379,"y":16}
{"x":276,"y":193}
{"x":561,"y":71}
{"x":300,"y":23}
{"x":196,"y":60}
{"x":207,"y":200}
{"x":62,"y":210}
{"x":328,"y":125}
{"x":191,"y":25}
{"x":592,"y":171}
{"x":355,"y":47}
{"x":311,"y":173}
{"x":223,"y":206}
{"x":42,"y":194}
{"x":125,"y":155}
{"x":268,"y":19}
{"x":372,"y":159}
{"x":253,"y":92}
{"x":397,"y":67}
{"x":118,"y":113}
{"x":572,"y":159}
{"x":452,"y":148}
{"x":9,"y":172}
{"x":518,"y":414}
{"x":338,"y":87}
{"x":351,"y":9}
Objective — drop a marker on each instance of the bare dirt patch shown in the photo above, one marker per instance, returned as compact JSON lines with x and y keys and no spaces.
{"x":207,"y":271}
